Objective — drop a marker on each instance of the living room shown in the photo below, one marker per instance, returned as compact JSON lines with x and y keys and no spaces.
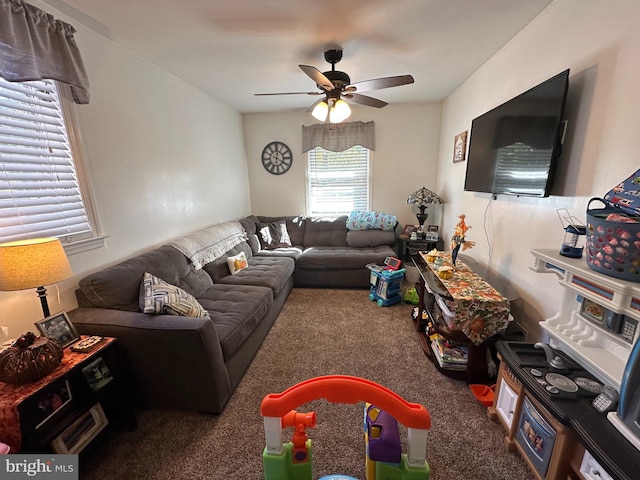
{"x":165,"y":159}
{"x":126,"y":132}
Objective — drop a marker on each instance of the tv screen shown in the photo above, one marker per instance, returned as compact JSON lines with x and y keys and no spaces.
{"x":514,"y":147}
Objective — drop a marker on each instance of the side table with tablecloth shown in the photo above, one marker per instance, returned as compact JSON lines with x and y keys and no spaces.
{"x":463,"y":308}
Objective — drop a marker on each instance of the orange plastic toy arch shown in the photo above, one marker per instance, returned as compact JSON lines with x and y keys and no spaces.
{"x":346,"y":389}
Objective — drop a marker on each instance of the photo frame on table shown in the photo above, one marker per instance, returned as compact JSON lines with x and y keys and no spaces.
{"x":58,"y":326}
{"x":97,"y":374}
{"x":409,"y":229}
{"x":432,"y":228}
{"x":51,"y":401}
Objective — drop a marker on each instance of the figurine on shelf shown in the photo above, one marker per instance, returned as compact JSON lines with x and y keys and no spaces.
{"x":458,"y":239}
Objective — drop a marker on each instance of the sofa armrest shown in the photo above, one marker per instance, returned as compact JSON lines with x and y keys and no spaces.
{"x":174,"y":361}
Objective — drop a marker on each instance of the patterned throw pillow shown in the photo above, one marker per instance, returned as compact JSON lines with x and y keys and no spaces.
{"x":237,"y":262}
{"x":158,"y":296}
{"x":365,"y":220}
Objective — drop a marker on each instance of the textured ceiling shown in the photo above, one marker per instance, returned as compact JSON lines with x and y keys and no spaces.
{"x":233,"y":49}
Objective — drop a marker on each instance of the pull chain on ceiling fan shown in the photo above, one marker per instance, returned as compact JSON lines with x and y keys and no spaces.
{"x":336,"y":86}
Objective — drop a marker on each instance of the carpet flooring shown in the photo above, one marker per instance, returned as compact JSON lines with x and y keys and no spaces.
{"x":318,"y":332}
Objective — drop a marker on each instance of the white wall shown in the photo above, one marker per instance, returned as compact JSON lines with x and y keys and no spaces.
{"x":164,"y":159}
{"x":405,"y":159}
{"x":599,"y":42}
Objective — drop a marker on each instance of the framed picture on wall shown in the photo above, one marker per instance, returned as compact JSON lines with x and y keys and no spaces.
{"x":460,"y":147}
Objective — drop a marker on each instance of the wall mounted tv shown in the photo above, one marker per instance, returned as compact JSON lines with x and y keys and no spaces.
{"x":513,"y":148}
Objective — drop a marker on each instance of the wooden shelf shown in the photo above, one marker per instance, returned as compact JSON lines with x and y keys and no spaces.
{"x":477,"y":369}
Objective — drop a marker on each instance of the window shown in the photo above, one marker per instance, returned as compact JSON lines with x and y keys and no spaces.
{"x":40,"y":183}
{"x":338,"y":182}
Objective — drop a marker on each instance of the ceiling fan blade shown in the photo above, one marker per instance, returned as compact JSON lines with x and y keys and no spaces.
{"x":365,"y":100}
{"x":380,"y":83}
{"x":318,"y":77}
{"x":289,"y":93}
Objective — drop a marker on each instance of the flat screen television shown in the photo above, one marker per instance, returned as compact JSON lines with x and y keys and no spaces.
{"x":513,"y":149}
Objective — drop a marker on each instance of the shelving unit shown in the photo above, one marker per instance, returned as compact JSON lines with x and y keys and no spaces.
{"x":602,"y":352}
{"x":68,"y":409}
{"x":477,"y":369}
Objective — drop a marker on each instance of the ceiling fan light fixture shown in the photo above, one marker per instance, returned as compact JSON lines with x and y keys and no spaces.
{"x":320,"y":111}
{"x":340,"y":111}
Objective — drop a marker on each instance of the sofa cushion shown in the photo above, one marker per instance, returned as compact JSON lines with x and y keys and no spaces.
{"x":342,"y":258}
{"x":370,"y":238}
{"x":235,"y":310}
{"x":237,"y":262}
{"x":273,"y":235}
{"x":326,"y":231}
{"x":289,"y":252}
{"x":272,"y":272}
{"x":158,"y":296}
{"x":250,"y":225}
{"x":118,"y":286}
{"x":296,"y":225}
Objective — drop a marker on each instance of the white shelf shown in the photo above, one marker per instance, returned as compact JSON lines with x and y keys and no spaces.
{"x":599,"y":350}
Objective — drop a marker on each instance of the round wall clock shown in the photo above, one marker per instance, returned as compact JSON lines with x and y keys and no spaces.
{"x":276,"y":158}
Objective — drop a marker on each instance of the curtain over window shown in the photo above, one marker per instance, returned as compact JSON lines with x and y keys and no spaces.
{"x":35,"y":46}
{"x":338,"y":137}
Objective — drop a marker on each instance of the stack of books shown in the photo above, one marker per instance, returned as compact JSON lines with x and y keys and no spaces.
{"x":449,"y":354}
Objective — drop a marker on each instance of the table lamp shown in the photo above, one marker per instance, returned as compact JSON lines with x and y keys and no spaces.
{"x":422,"y":198}
{"x":32,"y":264}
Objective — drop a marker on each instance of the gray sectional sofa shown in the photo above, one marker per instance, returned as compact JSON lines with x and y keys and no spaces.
{"x":196,"y":363}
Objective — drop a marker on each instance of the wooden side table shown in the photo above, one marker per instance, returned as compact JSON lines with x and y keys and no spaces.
{"x":63,"y":412}
{"x":408,"y":247}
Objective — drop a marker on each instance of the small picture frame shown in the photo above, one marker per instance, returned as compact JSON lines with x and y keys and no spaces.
{"x":51,"y":401}
{"x":58,"y":326}
{"x":97,"y":374}
{"x":409,"y":229}
{"x":432,"y":228}
{"x":460,"y":147}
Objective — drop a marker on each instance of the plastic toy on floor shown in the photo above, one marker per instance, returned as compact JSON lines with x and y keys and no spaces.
{"x":384,"y":458}
{"x":385,"y":283}
{"x":411,"y":296}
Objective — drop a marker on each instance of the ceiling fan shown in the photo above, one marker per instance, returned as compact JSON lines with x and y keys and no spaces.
{"x":336,"y":86}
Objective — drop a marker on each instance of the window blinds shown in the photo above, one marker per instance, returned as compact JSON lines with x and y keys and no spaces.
{"x":39,"y":191}
{"x":338,"y":182}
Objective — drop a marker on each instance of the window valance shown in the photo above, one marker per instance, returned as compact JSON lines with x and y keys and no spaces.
{"x":36,"y":46}
{"x":338,"y":137}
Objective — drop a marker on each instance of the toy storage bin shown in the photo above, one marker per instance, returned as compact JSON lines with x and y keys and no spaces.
{"x":448,"y":315}
{"x":412,"y":275}
{"x":612,"y":247}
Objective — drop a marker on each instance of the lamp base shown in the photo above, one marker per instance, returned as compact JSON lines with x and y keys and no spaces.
{"x":42,"y":294}
{"x":422,"y":216}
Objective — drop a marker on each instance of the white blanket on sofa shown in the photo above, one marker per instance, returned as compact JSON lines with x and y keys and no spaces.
{"x":211,"y":243}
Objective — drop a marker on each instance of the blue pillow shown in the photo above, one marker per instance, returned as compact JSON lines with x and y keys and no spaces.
{"x":364,"y":220}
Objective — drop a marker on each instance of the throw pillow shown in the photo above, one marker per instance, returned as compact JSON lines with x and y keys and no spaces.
{"x":274,"y":235}
{"x":158,"y":296}
{"x":237,"y":263}
{"x":365,"y":220}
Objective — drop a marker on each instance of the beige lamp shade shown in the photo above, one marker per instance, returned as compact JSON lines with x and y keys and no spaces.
{"x":32,"y":263}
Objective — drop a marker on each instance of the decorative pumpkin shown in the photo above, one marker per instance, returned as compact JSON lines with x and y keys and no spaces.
{"x":29,"y":359}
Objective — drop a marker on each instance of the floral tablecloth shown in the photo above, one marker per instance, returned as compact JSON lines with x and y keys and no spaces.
{"x":480,"y":310}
